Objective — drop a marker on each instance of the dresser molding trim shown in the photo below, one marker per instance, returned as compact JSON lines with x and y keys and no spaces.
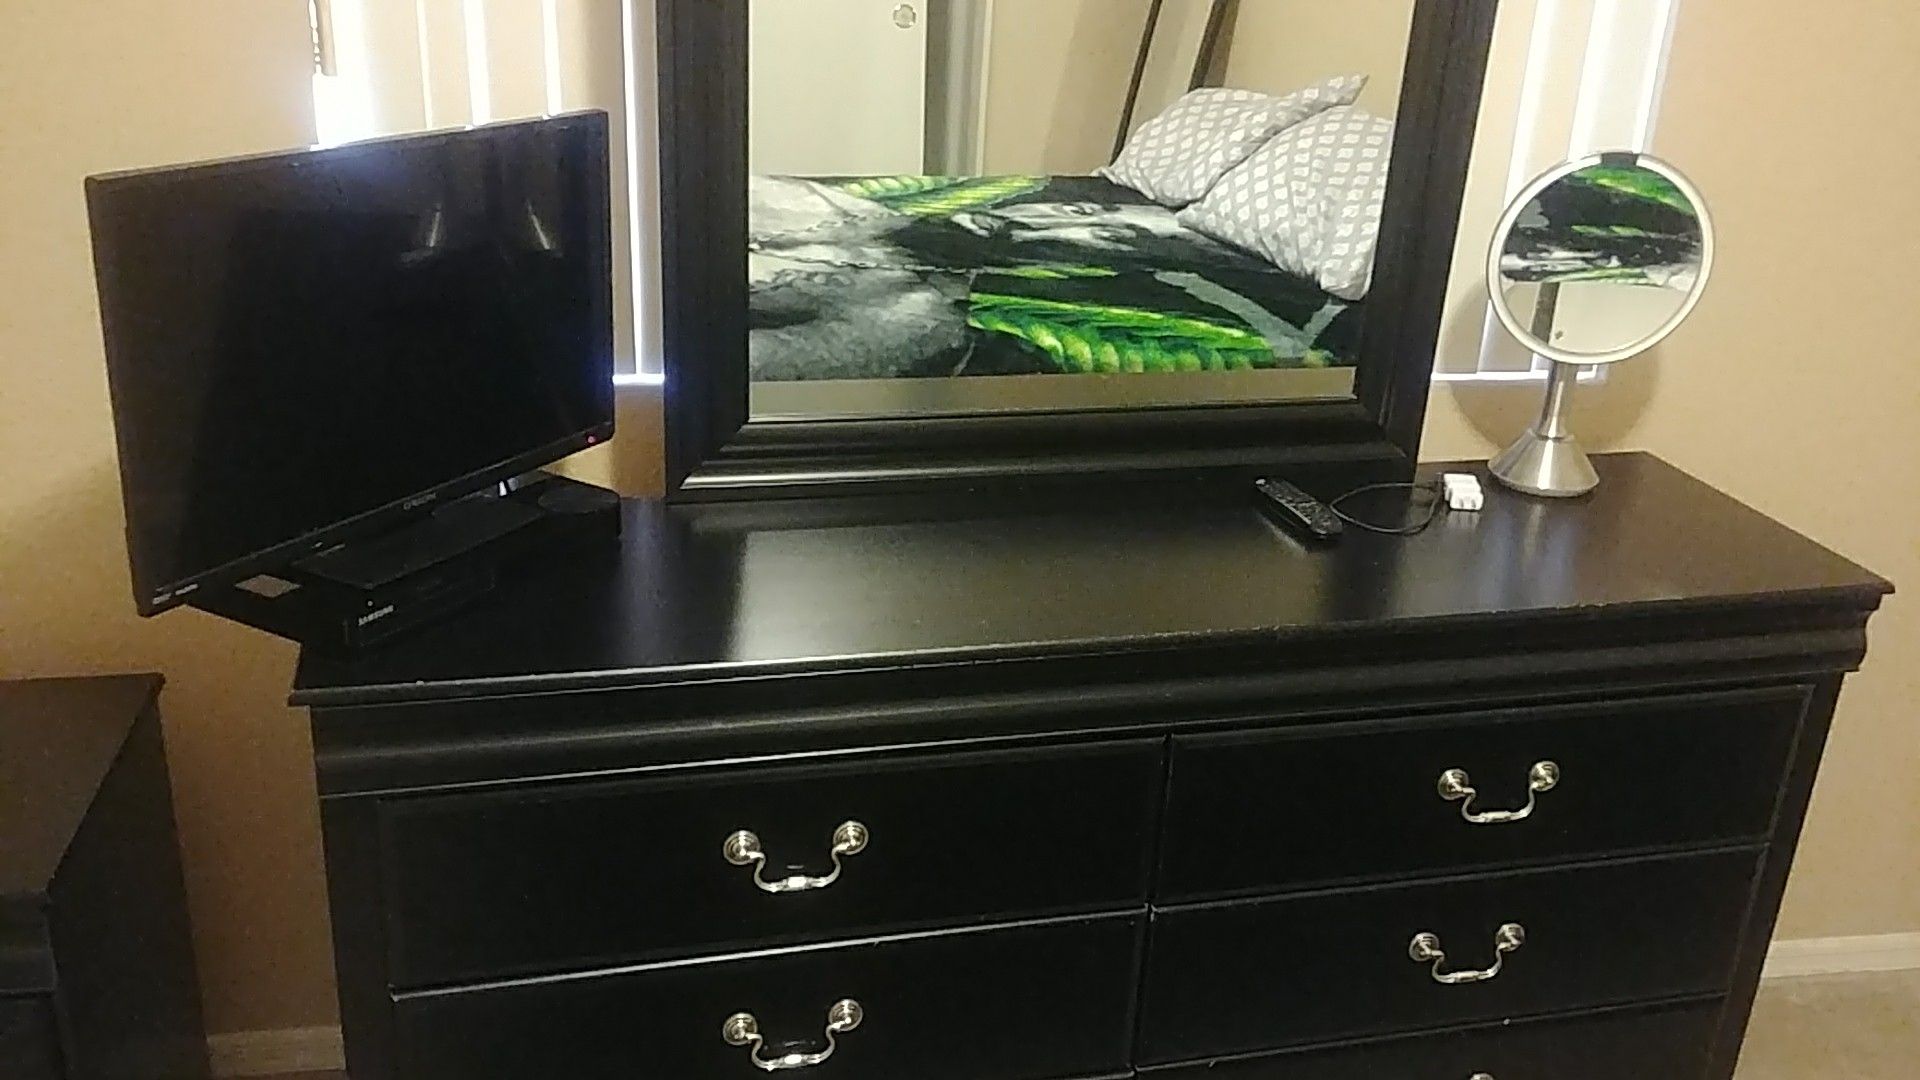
{"x":361,"y":750}
{"x":1622,"y":625}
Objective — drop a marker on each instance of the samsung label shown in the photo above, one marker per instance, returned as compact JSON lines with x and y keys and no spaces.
{"x":375,"y":615}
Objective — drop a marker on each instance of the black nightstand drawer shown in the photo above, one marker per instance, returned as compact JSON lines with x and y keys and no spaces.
{"x":586,"y":875}
{"x":1030,"y":1002}
{"x":28,"y":1050}
{"x":1670,"y":1043}
{"x":1251,"y":813}
{"x":1257,"y":975}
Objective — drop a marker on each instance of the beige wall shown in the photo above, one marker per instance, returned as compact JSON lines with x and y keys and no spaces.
{"x":86,"y":87}
{"x":1279,"y":46}
{"x":1058,"y":70}
{"x":1057,"y":80}
{"x":1796,"y":386}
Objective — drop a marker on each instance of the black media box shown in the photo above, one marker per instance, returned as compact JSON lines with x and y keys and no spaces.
{"x":368,"y":592}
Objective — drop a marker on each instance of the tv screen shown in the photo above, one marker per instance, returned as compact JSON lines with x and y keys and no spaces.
{"x":303,"y":346}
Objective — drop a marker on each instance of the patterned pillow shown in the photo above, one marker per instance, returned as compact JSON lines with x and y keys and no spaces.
{"x":1177,"y":157}
{"x":1309,"y":200}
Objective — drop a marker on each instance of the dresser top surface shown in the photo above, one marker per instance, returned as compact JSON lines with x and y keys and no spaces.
{"x":58,"y":738}
{"x":703,"y":593}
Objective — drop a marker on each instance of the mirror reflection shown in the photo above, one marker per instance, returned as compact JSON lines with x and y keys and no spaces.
{"x":960,"y":207}
{"x":1602,"y":260}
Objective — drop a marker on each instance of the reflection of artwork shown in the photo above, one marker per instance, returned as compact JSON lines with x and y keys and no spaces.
{"x":1621,"y":224}
{"x":865,"y":278}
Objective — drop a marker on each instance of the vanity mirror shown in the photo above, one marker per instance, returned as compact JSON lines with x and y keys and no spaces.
{"x":900,"y":246}
{"x":1595,"y":262}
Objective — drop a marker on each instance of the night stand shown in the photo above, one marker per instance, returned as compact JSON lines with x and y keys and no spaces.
{"x":96,"y":957}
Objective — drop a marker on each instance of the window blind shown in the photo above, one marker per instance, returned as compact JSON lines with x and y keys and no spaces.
{"x":396,"y":66}
{"x":1567,"y":78}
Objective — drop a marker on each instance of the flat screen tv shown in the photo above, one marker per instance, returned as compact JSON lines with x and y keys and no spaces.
{"x":304,"y":347}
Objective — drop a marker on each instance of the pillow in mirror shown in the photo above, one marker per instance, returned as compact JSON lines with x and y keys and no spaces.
{"x":1308,"y":201}
{"x":1178,"y":156}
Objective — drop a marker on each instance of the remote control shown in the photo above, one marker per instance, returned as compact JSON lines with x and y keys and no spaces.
{"x":1297,"y":511}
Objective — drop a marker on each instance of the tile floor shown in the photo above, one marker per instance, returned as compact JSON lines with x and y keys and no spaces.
{"x":1842,"y":1027}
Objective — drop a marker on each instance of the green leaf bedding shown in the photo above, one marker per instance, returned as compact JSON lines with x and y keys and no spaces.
{"x":1621,"y":224}
{"x":931,"y":277}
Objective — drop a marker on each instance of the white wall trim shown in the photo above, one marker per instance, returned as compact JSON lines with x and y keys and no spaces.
{"x":273,"y":1053}
{"x":1843,"y":955}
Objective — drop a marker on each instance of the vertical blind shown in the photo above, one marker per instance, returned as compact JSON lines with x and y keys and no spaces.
{"x":1568,"y":78}
{"x":386,"y":67}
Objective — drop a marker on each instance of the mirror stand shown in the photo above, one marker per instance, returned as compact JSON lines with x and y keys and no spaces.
{"x":1619,"y":246}
{"x":1548,"y":460}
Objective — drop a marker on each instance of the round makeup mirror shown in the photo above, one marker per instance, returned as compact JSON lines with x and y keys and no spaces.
{"x":1595,"y":262}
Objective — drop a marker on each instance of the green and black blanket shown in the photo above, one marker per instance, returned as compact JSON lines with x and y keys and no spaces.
{"x":932,"y":277}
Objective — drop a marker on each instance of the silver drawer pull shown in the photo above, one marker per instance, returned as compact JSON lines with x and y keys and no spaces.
{"x":741,"y":1029}
{"x":1426,"y":949}
{"x":743,"y":849}
{"x":1456,"y":787}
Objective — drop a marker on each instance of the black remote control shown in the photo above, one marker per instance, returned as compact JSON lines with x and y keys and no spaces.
{"x":1296,"y":511}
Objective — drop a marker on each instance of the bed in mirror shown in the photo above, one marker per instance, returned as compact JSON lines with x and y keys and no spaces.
{"x":962,"y":219}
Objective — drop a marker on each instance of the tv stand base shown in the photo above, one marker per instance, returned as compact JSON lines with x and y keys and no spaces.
{"x":366,"y":592}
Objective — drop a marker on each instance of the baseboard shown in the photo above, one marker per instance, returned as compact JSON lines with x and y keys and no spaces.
{"x":1843,"y":955}
{"x":276,"y":1053}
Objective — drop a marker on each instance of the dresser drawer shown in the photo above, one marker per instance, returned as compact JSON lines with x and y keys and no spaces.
{"x":27,"y":1047}
{"x":1030,"y":1002}
{"x":1642,"y":1044}
{"x":1256,"y":975}
{"x":586,"y":875}
{"x":1250,"y":813}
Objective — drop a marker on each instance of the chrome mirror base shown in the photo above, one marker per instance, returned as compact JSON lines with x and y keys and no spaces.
{"x":1547,"y":460}
{"x":1554,"y":467}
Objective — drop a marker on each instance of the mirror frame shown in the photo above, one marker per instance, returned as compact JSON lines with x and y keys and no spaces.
{"x":713,"y":450}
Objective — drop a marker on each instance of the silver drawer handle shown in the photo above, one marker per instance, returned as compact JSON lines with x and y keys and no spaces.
{"x":743,"y":849}
{"x":741,"y":1029}
{"x":1456,"y":787}
{"x":1425,"y":949}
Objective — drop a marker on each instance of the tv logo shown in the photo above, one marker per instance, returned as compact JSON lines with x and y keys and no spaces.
{"x":374,"y":616}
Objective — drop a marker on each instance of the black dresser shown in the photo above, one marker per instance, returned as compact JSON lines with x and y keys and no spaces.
{"x":96,"y":957}
{"x":1100,"y":785}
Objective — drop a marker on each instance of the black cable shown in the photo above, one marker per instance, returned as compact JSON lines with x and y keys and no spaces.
{"x":1411,"y":529}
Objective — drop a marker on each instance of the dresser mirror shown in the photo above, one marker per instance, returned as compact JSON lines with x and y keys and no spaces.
{"x":912,"y":240}
{"x":1596,"y":261}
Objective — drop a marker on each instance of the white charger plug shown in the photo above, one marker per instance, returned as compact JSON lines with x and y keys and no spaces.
{"x":1463,"y":491}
